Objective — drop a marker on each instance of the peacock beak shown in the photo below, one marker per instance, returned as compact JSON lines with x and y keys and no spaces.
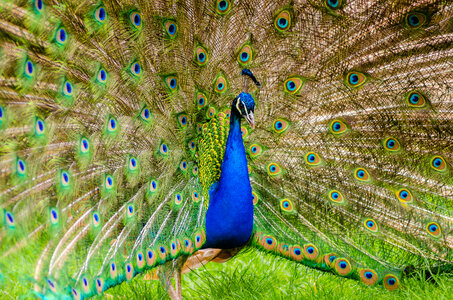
{"x":251,"y":119}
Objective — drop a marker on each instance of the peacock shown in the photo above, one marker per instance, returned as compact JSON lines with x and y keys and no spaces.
{"x":157,"y":136}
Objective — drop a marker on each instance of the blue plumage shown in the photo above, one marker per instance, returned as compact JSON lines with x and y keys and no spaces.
{"x":229,"y":220}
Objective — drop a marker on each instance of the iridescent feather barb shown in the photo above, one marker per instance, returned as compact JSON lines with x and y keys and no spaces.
{"x":128,"y":139}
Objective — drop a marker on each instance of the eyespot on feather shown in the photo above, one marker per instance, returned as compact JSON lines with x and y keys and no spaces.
{"x":61,"y":36}
{"x":338,"y":127}
{"x":336,"y":197}
{"x":177,"y":199}
{"x":145,"y":114}
{"x":199,"y":239}
{"x":343,"y":266}
{"x":355,"y":79}
{"x":296,"y":253}
{"x":183,"y":165}
{"x":201,"y":100}
{"x":391,"y":144}
{"x":416,"y":99}
{"x":162,"y":252}
{"x":255,"y":150}
{"x":140,"y":260}
{"x":244,"y":132}
{"x":404,"y":196}
{"x":136,"y":19}
{"x":415,"y":20}
{"x":171,"y":28}
{"x":391,"y":282}
{"x":163,"y":149}
{"x":21,"y":167}
{"x":195,"y":170}
{"x":255,"y":198}
{"x":371,"y":225}
{"x":65,"y":178}
{"x":129,"y":270}
{"x":130,"y":211}
{"x":438,"y":163}
{"x":286,"y":205}
{"x":362,"y":175}
{"x":368,"y":276}
{"x":282,"y":21}
{"x":29,"y":69}
{"x":172,"y":83}
{"x":333,"y":4}
{"x":311,"y":252}
{"x":99,"y":284}
{"x":67,"y":89}
{"x":268,"y":242}
{"x":293,"y":85}
{"x":150,"y":257}
{"x":211,"y":112}
{"x":100,"y":14}
{"x":312,"y":159}
{"x":223,"y":6}
{"x":109,"y":182}
{"x":112,"y":125}
{"x":280,"y":125}
{"x":113,"y":270}
{"x":132,"y":163}
{"x":54,"y":216}
{"x":38,"y":6}
{"x":182,"y":120}
{"x":220,"y":84}
{"x":201,"y":56}
{"x":85,"y":284}
{"x":329,"y":259}
{"x":40,"y":127}
{"x":434,"y":229}
{"x":153,"y":186}
{"x":195,"y":196}
{"x":101,"y":77}
{"x":135,"y":69}
{"x":9,"y":220}
{"x":245,"y":55}
{"x":273,"y":169}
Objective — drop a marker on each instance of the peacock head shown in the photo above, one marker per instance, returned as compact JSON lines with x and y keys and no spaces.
{"x":244,"y":103}
{"x":245,"y":106}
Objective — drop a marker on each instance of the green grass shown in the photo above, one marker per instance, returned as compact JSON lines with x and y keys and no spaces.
{"x":257,"y":275}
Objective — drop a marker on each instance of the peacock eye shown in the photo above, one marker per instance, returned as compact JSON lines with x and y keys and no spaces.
{"x":355,"y":79}
{"x":100,"y":14}
{"x":416,"y":99}
{"x":61,"y":36}
{"x":223,"y":6}
{"x":201,"y":56}
{"x":283,"y":21}
{"x":135,"y":19}
{"x":171,"y":28}
{"x":245,"y":55}
{"x":333,"y":4}
{"x":415,"y":20}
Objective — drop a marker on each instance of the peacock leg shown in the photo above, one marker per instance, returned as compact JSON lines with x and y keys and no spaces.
{"x":164,"y":276}
{"x":178,"y":272}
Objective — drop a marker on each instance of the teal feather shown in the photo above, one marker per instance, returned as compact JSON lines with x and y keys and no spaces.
{"x":114,"y":120}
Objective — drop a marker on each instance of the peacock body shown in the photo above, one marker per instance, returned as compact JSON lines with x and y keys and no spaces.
{"x":122,"y":147}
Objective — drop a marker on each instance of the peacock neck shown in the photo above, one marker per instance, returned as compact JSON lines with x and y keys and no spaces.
{"x":234,"y":168}
{"x":229,"y":220}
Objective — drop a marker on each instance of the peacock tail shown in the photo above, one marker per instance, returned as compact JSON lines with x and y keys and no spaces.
{"x":114,"y":119}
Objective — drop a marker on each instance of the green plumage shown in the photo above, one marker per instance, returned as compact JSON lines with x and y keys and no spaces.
{"x":114,"y":118}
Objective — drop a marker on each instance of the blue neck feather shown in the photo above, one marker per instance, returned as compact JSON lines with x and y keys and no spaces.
{"x":229,"y":220}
